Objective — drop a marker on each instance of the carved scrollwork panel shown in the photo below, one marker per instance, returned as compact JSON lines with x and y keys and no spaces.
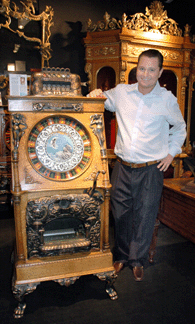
{"x":108,"y":50}
{"x":154,"y":20}
{"x":57,"y":107}
{"x":67,"y":281}
{"x":97,"y":126}
{"x":19,"y":291}
{"x":41,"y":211}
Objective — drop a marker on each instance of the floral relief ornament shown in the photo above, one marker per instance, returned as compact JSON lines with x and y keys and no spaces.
{"x":154,"y":20}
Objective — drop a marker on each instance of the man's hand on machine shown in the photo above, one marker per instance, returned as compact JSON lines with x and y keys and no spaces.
{"x":97,"y":93}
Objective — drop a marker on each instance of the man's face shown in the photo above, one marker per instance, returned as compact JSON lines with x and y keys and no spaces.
{"x":148,"y":73}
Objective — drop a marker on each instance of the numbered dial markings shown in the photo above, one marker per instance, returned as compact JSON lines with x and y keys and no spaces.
{"x":59,"y":148}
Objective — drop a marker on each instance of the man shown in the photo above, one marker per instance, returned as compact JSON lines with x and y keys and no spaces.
{"x":151,"y":131}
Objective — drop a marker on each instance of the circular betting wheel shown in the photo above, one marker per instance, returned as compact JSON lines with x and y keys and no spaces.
{"x":59,"y":148}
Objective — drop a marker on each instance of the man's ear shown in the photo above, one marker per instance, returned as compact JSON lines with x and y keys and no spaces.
{"x":160,"y":73}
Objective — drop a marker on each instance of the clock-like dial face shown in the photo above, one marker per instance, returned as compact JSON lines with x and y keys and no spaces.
{"x":59,"y":148}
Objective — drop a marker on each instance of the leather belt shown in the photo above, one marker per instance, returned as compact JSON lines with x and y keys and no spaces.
{"x":136,"y":165}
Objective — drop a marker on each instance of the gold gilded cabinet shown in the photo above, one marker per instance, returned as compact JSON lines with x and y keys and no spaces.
{"x":113,"y":47}
{"x":60,"y":189}
{"x":119,"y":49}
{"x":5,"y":158}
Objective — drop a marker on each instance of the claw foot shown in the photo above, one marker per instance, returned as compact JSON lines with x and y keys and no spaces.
{"x":19,"y":311}
{"x":110,"y":278}
{"x":112,"y":293}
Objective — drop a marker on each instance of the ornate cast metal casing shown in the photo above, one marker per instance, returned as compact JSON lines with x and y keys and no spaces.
{"x":116,"y":44}
{"x":56,"y":81}
{"x":61,"y":191}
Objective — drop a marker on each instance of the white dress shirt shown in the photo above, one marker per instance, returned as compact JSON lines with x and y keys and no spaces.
{"x":150,"y":126}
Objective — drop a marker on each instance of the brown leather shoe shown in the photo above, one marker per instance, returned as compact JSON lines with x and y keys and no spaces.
{"x":138,"y":273}
{"x":118,"y":266}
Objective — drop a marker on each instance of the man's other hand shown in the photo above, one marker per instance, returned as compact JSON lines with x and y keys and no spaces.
{"x":165,"y":163}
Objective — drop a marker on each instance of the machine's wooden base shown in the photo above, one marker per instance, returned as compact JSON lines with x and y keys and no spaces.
{"x":29,"y":274}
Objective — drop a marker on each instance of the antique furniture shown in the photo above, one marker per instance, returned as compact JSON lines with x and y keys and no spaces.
{"x":5,"y":156}
{"x":113,"y":46}
{"x":177,"y":208}
{"x":60,"y":189}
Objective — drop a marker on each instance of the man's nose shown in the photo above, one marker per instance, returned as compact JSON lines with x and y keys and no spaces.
{"x":146,"y":72}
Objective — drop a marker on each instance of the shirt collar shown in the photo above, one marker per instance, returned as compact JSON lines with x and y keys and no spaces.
{"x":155,"y":92}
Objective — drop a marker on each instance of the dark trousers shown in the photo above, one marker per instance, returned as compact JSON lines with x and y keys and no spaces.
{"x":135,"y":198}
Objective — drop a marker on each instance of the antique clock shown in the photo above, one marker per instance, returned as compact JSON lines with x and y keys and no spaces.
{"x":61,"y":191}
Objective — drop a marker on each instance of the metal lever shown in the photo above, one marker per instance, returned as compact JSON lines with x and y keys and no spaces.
{"x":92,"y":190}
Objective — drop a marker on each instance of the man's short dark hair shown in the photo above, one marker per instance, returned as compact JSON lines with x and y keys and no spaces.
{"x":152,"y":53}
